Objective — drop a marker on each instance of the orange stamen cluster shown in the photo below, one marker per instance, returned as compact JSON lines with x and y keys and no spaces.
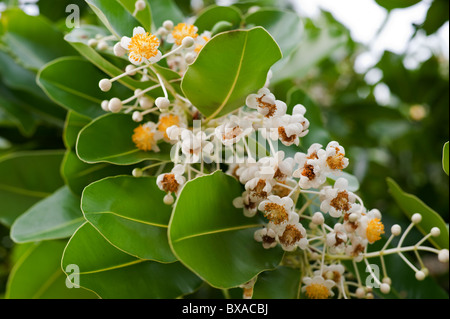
{"x":183,"y":30}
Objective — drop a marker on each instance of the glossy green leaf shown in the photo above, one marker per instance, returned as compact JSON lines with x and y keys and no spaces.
{"x":79,"y":38}
{"x":210,"y":16}
{"x":33,"y":39}
{"x":165,"y":10}
{"x":27,"y":178}
{"x":437,"y":16}
{"x":117,"y":16}
{"x":396,"y":4}
{"x":285,"y":26}
{"x":54,"y":217}
{"x":73,"y":125}
{"x":213,"y":238}
{"x":281,"y":283}
{"x":117,"y":275}
{"x":62,"y":80}
{"x":230,"y":66}
{"x":411,"y":205}
{"x":38,"y":275}
{"x":445,"y":158}
{"x":130,"y":213}
{"x":108,"y":139}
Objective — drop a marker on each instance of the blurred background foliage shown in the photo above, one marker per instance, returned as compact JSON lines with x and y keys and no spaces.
{"x":399,"y":136}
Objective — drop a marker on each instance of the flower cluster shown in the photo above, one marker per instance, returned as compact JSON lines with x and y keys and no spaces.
{"x":308,"y":211}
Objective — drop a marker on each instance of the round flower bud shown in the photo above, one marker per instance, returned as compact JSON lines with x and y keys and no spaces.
{"x":168,"y":25}
{"x":318,"y":218}
{"x":140,"y":5}
{"x":360,"y":293}
{"x":92,"y":43}
{"x":105,"y":106}
{"x":145,"y":102}
{"x":102,"y":45}
{"x":435,"y":232}
{"x":443,"y":256}
{"x":190,"y":57}
{"x":385,"y":288}
{"x":162,"y":103}
{"x":396,"y":230}
{"x":353,"y":217}
{"x":115,"y":105}
{"x":420,"y":275}
{"x":137,"y":116}
{"x":119,"y":50}
{"x":416,"y":218}
{"x":168,"y":199}
{"x":105,"y":85}
{"x":387,"y":280}
{"x":137,"y":172}
{"x":130,"y":70}
{"x":187,"y":42}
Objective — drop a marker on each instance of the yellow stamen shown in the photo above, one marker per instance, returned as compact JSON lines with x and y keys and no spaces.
{"x":143,"y":137}
{"x":143,"y":45}
{"x":317,"y":291}
{"x":183,"y":30}
{"x":167,"y":121}
{"x":375,"y":229}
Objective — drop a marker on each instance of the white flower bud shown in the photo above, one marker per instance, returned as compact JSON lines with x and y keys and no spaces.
{"x":119,"y":50}
{"x":105,"y":85}
{"x":360,"y":293}
{"x":190,"y":57}
{"x":387,"y":280}
{"x":130,"y":70}
{"x":396,"y":230}
{"x":137,"y":116}
{"x":416,"y":218}
{"x":162,"y":103}
{"x":105,"y":106}
{"x":102,"y":45}
{"x":137,"y":172}
{"x":187,"y":42}
{"x":92,"y":43}
{"x":318,"y":218}
{"x":168,"y":199}
{"x":140,"y":5}
{"x":145,"y":102}
{"x":168,"y":25}
{"x":353,"y":217}
{"x":443,"y":256}
{"x":420,"y":275}
{"x":435,"y":231}
{"x":385,"y":288}
{"x":115,"y":105}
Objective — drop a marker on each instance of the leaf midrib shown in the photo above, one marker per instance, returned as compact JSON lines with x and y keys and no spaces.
{"x":217,"y":231}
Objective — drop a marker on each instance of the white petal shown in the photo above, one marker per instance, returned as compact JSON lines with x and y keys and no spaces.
{"x":138,"y":30}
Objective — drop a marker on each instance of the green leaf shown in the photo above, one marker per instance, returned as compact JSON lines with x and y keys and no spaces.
{"x":54,"y":217}
{"x":396,"y":4}
{"x":165,"y":10}
{"x":117,"y":16}
{"x":285,"y":26}
{"x":101,"y":142}
{"x":62,"y":80}
{"x":281,"y":283}
{"x":27,"y":178}
{"x":117,"y":275}
{"x":210,"y":16}
{"x":230,"y":66}
{"x":445,"y":158}
{"x":38,"y":275}
{"x":213,"y":238}
{"x":437,"y":16}
{"x":33,"y":40}
{"x":122,"y":210}
{"x":410,"y":205}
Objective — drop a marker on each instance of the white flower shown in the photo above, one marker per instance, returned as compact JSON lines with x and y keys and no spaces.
{"x":194,"y":146}
{"x":309,"y":170}
{"x":290,"y":234}
{"x":353,"y":217}
{"x":356,"y":247}
{"x":277,"y":210}
{"x":250,"y":207}
{"x":332,"y":272}
{"x":337,"y":239}
{"x":317,"y":287}
{"x":333,"y":157}
{"x":172,"y":182}
{"x":247,"y":171}
{"x":142,"y":47}
{"x":233,"y":130}
{"x":370,"y":226}
{"x":337,"y":200}
{"x":258,"y":188}
{"x":276,"y":167}
{"x":267,"y":236}
{"x":266,"y":104}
